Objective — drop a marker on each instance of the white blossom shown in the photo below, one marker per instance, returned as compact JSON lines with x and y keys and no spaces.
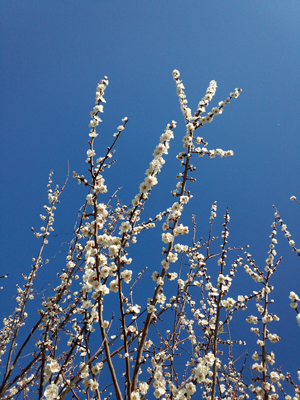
{"x":51,"y":392}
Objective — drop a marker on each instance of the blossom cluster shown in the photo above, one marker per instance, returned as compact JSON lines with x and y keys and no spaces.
{"x":107,"y":326}
{"x":196,"y":121}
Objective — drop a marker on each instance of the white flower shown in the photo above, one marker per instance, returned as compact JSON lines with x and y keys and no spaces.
{"x":165,"y":226}
{"x":135,"y":396}
{"x":90,"y":153}
{"x":114,"y":286}
{"x":228,"y":303}
{"x":176,"y":74}
{"x":51,"y":391}
{"x":172,"y":276}
{"x":209,"y":358}
{"x":180,"y":283}
{"x":293,"y":296}
{"x":200,"y":373}
{"x":267,"y":318}
{"x":172,"y":257}
{"x":273,"y":337}
{"x":86,"y":304}
{"x":190,"y":388}
{"x":125,"y":226}
{"x":274,"y":376}
{"x":93,"y":123}
{"x":105,"y":324}
{"x":93,"y":385}
{"x":101,"y":209}
{"x":113,"y":251}
{"x":167,"y":237}
{"x":143,"y":387}
{"x":159,"y":281}
{"x":178,"y":247}
{"x":150,"y":181}
{"x":98,"y":108}
{"x":271,"y":358}
{"x":102,"y":289}
{"x":155,"y":275}
{"x":96,"y":369}
{"x":252,"y":319}
{"x":151,"y":309}
{"x":13,"y":391}
{"x":89,"y":198}
{"x":134,"y":309}
{"x":126,"y":275}
{"x":159,"y":392}
{"x":143,"y":187}
{"x":86,"y":383}
{"x":52,"y":367}
{"x":181,"y":230}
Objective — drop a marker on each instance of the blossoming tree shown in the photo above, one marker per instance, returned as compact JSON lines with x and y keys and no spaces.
{"x":94,"y":337}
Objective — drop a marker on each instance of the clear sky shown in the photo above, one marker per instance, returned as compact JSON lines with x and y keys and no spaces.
{"x":53,"y":54}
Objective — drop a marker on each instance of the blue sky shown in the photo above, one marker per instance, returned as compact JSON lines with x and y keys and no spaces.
{"x":53,"y":54}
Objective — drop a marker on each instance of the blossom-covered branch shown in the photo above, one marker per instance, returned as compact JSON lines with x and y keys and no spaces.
{"x":114,"y":329}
